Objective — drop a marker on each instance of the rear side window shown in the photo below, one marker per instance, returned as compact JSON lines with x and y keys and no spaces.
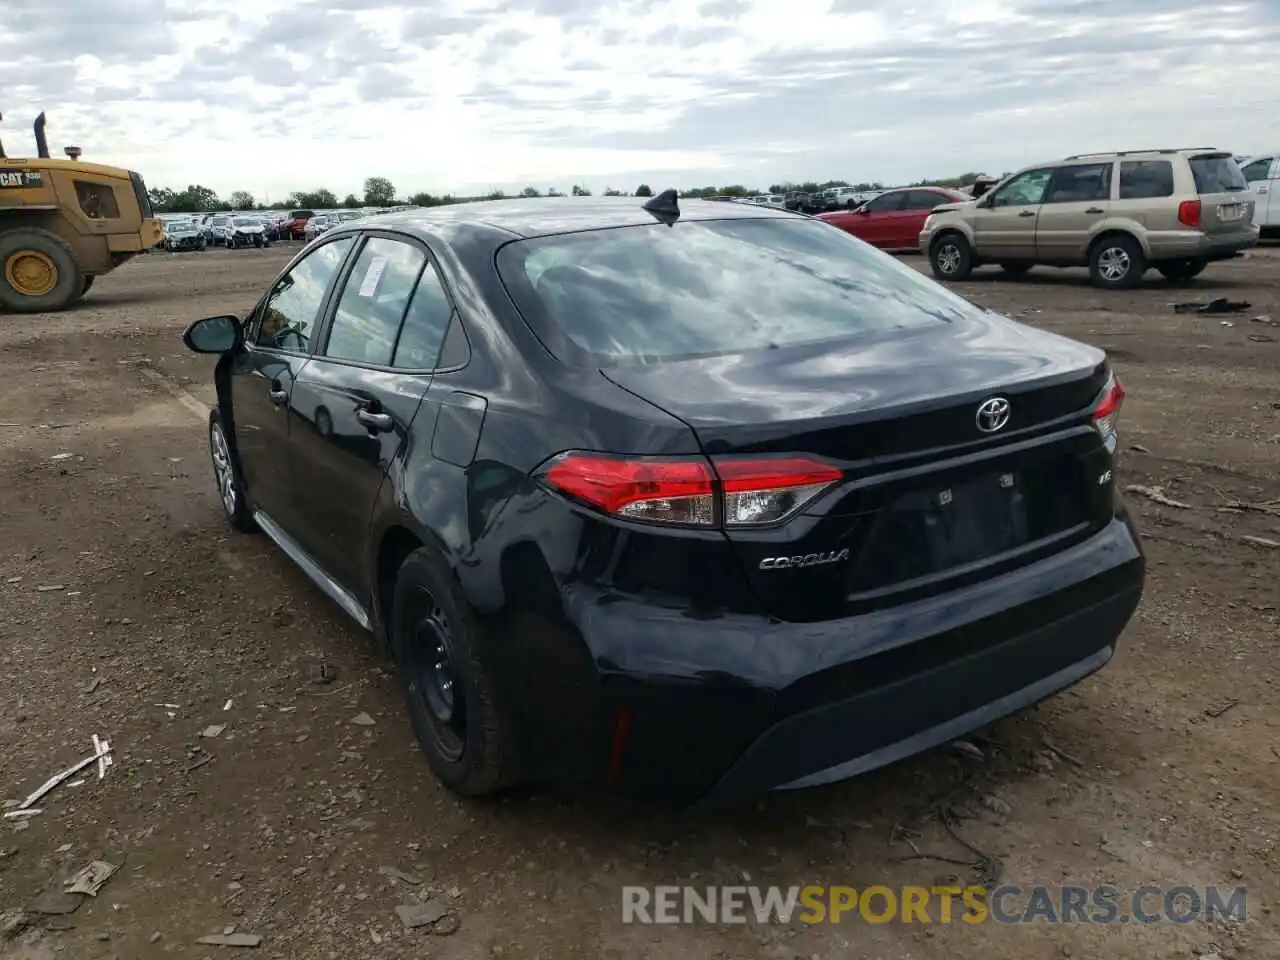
{"x":1145,"y":179}
{"x":424,"y":324}
{"x":709,"y":287}
{"x":924,"y":200}
{"x":1217,"y":173}
{"x":1080,"y":183}
{"x":373,"y":302}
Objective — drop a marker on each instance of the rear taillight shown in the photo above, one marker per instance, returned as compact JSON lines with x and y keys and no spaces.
{"x":689,"y":491}
{"x":766,"y":490}
{"x":1189,"y":213}
{"x":1107,"y":412}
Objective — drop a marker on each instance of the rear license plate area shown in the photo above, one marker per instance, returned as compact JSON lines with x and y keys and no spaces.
{"x":1229,"y":212}
{"x":932,"y":529}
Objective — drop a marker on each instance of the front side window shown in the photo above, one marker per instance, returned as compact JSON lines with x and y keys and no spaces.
{"x":1145,"y":179}
{"x":1081,"y":183}
{"x":886,"y":203}
{"x":710,"y":287}
{"x":1257,"y":170}
{"x":1024,"y":190}
{"x":292,"y":309}
{"x":373,"y":302}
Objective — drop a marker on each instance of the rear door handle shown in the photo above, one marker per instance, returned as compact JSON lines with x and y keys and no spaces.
{"x":1095,"y":210}
{"x":375,"y":421}
{"x":1027,"y":213}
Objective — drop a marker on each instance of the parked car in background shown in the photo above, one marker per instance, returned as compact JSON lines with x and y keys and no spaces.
{"x":846,"y":198}
{"x":245,"y":232}
{"x":315,"y":225}
{"x":183,"y":235}
{"x":1262,"y":174}
{"x":795,"y":200}
{"x":295,"y":226}
{"x":1119,"y":214}
{"x":270,"y":226}
{"x":816,"y":514}
{"x":216,"y":227}
{"x":893,"y":220}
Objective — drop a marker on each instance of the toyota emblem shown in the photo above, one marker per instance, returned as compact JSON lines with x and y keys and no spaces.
{"x":993,"y":414}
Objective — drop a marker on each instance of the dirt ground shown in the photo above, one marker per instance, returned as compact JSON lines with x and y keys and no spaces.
{"x":132,"y":612}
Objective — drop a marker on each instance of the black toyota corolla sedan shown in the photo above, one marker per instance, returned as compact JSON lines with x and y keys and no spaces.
{"x":692,"y":499}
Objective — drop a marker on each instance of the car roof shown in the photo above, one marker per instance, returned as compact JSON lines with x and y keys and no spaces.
{"x":543,"y":216}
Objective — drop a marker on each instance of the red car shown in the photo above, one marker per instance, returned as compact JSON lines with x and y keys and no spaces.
{"x":893,"y":220}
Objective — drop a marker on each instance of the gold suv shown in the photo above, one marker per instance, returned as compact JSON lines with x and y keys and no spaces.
{"x":1116,"y":213}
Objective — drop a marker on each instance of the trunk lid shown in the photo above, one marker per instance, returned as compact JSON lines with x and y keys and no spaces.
{"x":926,"y":496}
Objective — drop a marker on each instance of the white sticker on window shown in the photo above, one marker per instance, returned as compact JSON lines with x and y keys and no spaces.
{"x":372,"y":277}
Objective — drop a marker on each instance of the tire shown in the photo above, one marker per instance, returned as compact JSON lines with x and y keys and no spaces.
{"x":229,"y":479}
{"x":1180,"y":271}
{"x":951,"y":257}
{"x":456,"y":716}
{"x":1116,"y":262}
{"x":1015,"y":269}
{"x":32,"y":254}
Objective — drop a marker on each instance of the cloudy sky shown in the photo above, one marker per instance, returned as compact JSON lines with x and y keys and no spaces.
{"x":470,"y":95}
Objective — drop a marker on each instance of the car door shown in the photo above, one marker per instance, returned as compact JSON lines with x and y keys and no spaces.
{"x":1004,"y":222}
{"x":1076,"y":203}
{"x":1262,"y":173}
{"x":277,"y":347}
{"x":874,"y":222}
{"x":354,"y":403}
{"x":910,"y":221}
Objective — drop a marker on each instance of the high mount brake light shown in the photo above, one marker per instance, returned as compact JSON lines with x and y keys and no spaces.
{"x":691,"y":491}
{"x":1107,"y":412}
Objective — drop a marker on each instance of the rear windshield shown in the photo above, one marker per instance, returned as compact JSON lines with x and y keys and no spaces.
{"x":1217,"y":174}
{"x":301,"y":215}
{"x":708,"y":287}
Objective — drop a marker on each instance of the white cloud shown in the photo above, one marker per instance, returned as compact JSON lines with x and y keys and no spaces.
{"x":469,"y":95}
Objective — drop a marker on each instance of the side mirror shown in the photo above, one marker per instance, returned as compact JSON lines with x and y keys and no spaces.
{"x":214,"y":335}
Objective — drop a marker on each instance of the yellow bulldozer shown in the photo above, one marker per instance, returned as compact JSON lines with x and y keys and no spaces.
{"x":65,"y":222}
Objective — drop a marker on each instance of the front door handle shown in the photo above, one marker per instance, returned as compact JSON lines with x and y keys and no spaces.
{"x":1027,"y":213}
{"x":375,"y":421}
{"x":1095,"y":210}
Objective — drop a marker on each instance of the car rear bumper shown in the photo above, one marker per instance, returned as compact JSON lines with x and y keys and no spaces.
{"x":704,"y":711}
{"x":1178,"y":245}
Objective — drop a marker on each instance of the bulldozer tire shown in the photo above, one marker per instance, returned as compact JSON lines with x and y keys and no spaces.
{"x":38,"y":272}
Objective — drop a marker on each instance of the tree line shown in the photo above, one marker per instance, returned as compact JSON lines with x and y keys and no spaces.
{"x":381,"y":192}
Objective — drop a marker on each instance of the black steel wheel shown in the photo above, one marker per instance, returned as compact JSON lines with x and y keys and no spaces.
{"x":453,"y":702}
{"x":432,"y":674}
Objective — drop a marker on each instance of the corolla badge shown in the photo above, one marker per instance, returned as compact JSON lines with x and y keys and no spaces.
{"x":804,"y":560}
{"x":992,"y":414}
